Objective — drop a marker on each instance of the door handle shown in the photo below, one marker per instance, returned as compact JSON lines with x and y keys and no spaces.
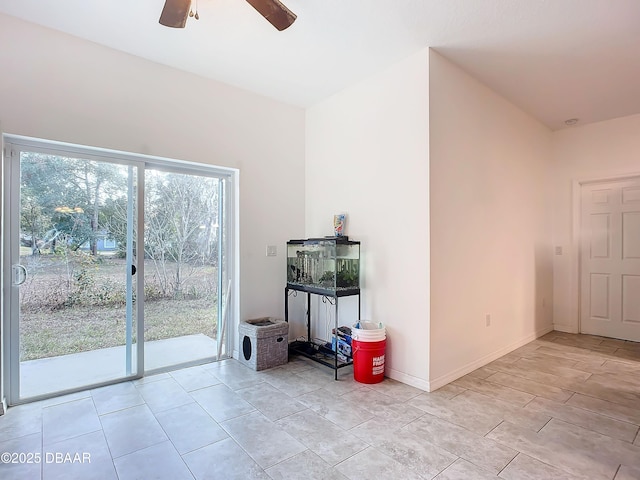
{"x":19,"y":274}
{"x":133,"y":269}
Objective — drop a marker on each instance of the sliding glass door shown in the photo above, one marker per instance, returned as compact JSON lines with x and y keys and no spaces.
{"x":115,"y":264}
{"x":73,"y":228}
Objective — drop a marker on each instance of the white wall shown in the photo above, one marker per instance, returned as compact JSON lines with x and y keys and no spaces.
{"x":59,"y":87}
{"x":367,"y":155}
{"x":598,"y":150}
{"x":490,"y":228}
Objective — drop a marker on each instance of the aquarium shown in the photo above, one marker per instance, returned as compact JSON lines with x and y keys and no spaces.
{"x":331,"y":263}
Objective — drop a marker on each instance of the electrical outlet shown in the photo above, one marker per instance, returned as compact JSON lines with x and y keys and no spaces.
{"x":487,"y":320}
{"x":272,"y":250}
{"x":558,"y":250}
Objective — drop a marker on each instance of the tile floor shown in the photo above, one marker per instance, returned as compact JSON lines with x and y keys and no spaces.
{"x":562,"y":407}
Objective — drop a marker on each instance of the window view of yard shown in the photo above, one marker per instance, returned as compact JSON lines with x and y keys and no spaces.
{"x":74,"y":236}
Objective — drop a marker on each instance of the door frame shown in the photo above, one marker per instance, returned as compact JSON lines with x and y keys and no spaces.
{"x":9,"y":220}
{"x":576,"y":244}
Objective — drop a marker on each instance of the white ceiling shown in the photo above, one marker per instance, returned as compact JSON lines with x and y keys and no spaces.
{"x":556,"y":59}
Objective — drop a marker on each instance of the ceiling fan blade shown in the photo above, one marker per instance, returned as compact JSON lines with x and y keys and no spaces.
{"x":275,"y":12}
{"x":175,"y":13}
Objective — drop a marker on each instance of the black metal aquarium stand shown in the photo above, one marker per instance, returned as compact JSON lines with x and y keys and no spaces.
{"x":317,"y":351}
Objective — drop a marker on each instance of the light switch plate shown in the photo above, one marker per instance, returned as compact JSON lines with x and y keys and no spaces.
{"x":272,"y":250}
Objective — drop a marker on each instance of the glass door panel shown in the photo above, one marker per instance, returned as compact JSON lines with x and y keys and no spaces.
{"x":74,"y":267}
{"x":182,"y":241}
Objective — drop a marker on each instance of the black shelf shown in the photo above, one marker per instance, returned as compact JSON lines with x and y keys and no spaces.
{"x":341,"y":240}
{"x":318,"y":353}
{"x":325,"y":292}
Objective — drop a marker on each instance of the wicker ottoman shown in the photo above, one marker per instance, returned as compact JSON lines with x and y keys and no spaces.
{"x":264,"y":342}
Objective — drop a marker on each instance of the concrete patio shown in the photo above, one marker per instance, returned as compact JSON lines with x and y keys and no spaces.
{"x":48,"y":375}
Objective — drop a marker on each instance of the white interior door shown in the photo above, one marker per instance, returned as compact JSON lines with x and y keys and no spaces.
{"x":610,"y":259}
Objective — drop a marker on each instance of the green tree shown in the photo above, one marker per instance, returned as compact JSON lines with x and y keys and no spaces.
{"x":180,"y":226}
{"x":62,"y":199}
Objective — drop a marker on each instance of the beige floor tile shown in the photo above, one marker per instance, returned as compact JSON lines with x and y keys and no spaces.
{"x":291,"y":383}
{"x":495,"y":390}
{"x":413,"y":451}
{"x":557,"y":452}
{"x":627,"y":385}
{"x":627,"y":473}
{"x":189,"y":427}
{"x":614,"y":410}
{"x":221,"y":402}
{"x":553,"y":360}
{"x":448,"y":391}
{"x":524,"y":467}
{"x":629,"y":345}
{"x":477,"y":412}
{"x":507,"y":411}
{"x":513,"y":357}
{"x":482,"y":373}
{"x":537,"y":375}
{"x":469,"y":415}
{"x":305,"y":465}
{"x":464,"y":470}
{"x":16,"y":467}
{"x":68,"y":420}
{"x":596,"y":346}
{"x":628,"y":371}
{"x":525,"y":349}
{"x":530,"y":386}
{"x":223,"y":460}
{"x":235,"y":375}
{"x":586,"y":419}
{"x":592,"y":444}
{"x":479,"y":450}
{"x":613,"y":342}
{"x":609,"y":391}
{"x":382,"y":405}
{"x":375,"y":430}
{"x":375,"y":465}
{"x":157,"y":461}
{"x":94,"y":459}
{"x":572,"y":353}
{"x":265,"y":441}
{"x":369,"y":398}
{"x":396,"y":390}
{"x":339,"y":410}
{"x":324,"y":438}
{"x":270,"y":401}
{"x":627,"y":354}
{"x":552,"y":368}
{"x":20,"y":421}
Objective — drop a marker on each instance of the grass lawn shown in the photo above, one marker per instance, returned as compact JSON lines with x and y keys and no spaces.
{"x":80,"y":329}
{"x":47,"y":332}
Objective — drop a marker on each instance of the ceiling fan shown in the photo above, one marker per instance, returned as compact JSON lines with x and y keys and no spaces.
{"x":175,"y":13}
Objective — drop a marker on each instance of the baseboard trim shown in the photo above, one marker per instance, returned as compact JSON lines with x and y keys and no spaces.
{"x":481,"y":362}
{"x":407,"y":379}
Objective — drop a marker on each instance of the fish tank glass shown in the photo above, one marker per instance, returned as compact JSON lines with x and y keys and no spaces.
{"x":331,"y":264}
